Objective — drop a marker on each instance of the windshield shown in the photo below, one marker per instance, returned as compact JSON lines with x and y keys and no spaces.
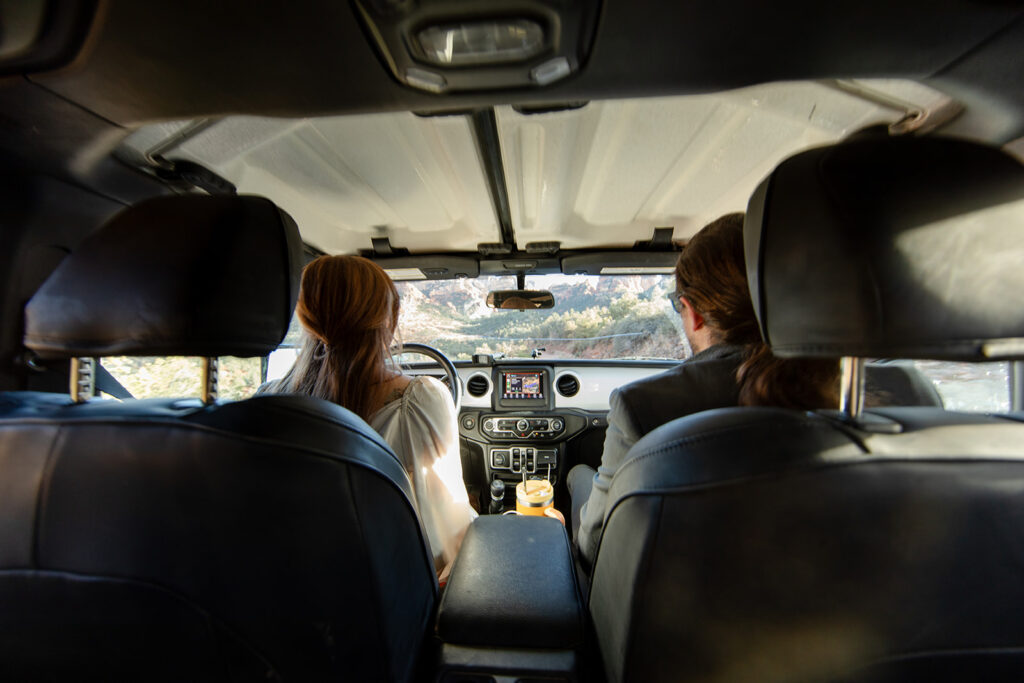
{"x":600,"y":317}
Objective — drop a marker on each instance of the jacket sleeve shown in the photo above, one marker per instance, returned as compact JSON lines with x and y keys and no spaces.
{"x":621,"y":435}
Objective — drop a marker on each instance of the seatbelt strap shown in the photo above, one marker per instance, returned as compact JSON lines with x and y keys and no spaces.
{"x":108,"y":384}
{"x":105,"y":382}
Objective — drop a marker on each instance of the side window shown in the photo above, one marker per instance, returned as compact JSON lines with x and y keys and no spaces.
{"x":973,"y":387}
{"x":281,"y":359}
{"x":176,"y":376}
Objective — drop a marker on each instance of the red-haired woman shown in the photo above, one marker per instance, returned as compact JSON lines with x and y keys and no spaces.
{"x":348,"y":307}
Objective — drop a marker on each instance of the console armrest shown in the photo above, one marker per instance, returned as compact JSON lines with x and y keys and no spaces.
{"x":513,"y":586}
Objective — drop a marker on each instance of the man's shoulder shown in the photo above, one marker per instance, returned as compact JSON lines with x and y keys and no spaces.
{"x":694,"y":371}
{"x":701,"y":383}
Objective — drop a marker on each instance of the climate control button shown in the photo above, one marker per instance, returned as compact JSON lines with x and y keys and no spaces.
{"x":516,"y":427}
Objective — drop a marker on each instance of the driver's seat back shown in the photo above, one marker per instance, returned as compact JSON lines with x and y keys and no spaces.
{"x":267,"y":539}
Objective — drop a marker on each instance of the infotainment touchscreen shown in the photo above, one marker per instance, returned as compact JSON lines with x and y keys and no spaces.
{"x":522,"y":385}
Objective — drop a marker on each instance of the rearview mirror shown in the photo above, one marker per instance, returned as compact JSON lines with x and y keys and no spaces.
{"x":520,"y":299}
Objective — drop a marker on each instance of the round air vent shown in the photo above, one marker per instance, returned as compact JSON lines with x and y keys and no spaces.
{"x":568,"y":385}
{"x":478,"y":385}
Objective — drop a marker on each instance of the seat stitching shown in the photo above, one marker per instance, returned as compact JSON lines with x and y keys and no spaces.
{"x":149,"y":584}
{"x":645,"y":559}
{"x":715,"y":434}
{"x":575,"y":581}
{"x":336,"y":458}
{"x":942,"y":652}
{"x":372,"y":578}
{"x":162,"y":421}
{"x":276,"y":407}
{"x":42,"y":493}
{"x":814,"y":467}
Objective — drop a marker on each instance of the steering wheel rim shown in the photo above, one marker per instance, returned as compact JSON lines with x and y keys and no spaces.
{"x":454,"y":383}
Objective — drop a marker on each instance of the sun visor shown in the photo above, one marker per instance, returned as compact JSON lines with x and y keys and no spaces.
{"x":890,"y":247}
{"x":185,"y":275}
{"x":427,"y":266}
{"x":620,"y":263}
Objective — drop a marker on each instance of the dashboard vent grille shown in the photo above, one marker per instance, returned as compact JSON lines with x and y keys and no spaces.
{"x":478,"y":385}
{"x":568,"y":385}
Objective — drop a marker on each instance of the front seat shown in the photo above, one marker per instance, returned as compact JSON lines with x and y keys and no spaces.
{"x":172,"y":540}
{"x":765,"y":544}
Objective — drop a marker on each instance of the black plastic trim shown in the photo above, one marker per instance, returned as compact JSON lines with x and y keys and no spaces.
{"x":64,"y":30}
{"x":485,"y":132}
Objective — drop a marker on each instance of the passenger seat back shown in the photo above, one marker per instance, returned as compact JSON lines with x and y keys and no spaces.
{"x":170,"y":540}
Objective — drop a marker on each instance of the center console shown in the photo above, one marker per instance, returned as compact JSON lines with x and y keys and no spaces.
{"x":521,"y":619}
{"x":533,"y":443}
{"x":523,"y":427}
{"x":522,"y":436}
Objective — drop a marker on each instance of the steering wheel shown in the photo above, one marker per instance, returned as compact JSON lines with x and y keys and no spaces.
{"x":451,"y":376}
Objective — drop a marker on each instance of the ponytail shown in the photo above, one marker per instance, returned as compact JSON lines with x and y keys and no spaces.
{"x":711,"y":274}
{"x":348,"y":307}
{"x":800,"y":383}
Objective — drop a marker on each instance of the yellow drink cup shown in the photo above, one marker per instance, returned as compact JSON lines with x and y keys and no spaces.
{"x":534,"y":497}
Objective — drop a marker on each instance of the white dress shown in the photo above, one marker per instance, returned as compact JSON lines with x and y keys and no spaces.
{"x":422,"y":428}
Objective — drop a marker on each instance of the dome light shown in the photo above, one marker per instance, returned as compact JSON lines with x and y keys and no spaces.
{"x":485,"y":42}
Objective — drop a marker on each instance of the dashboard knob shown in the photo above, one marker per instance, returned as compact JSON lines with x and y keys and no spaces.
{"x":556,"y":425}
{"x":489,"y":425}
{"x":522,"y":425}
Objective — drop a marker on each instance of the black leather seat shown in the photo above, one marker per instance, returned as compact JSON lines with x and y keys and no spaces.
{"x":267,"y":539}
{"x":765,"y":544}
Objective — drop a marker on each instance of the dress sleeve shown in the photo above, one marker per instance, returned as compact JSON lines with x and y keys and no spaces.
{"x":619,"y":438}
{"x":430,"y":432}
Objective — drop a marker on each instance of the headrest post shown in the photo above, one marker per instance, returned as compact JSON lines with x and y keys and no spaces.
{"x":851,"y":389}
{"x":209,"y":395}
{"x":83,"y":379}
{"x":1017,"y":385}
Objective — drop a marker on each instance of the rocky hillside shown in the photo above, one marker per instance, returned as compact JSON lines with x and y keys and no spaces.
{"x":593,"y":318}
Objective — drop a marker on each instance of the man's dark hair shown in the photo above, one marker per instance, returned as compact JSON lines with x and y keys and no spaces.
{"x":711,"y":273}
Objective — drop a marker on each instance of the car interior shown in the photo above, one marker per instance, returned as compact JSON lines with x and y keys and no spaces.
{"x":527,"y":172}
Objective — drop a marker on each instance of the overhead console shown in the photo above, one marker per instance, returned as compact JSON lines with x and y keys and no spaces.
{"x":444,"y":47}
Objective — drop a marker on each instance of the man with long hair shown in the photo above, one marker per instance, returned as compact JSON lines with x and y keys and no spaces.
{"x":730,"y":366}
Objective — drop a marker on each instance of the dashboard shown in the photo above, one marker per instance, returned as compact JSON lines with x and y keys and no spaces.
{"x":524,"y":419}
{"x":595,"y":381}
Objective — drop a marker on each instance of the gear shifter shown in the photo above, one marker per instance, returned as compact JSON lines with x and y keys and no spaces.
{"x":497,"y":497}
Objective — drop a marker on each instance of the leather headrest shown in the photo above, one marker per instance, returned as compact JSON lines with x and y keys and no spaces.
{"x":184,"y":275}
{"x":890,"y":247}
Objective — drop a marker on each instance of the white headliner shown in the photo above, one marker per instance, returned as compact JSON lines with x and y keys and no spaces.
{"x":603,"y":175}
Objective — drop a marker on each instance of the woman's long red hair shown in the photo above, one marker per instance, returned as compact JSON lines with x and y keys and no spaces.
{"x":349,"y":308}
